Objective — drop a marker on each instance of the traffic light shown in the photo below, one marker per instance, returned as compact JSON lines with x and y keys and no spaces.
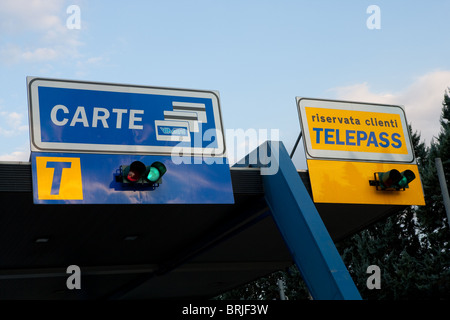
{"x":393,"y":179}
{"x":138,"y":173}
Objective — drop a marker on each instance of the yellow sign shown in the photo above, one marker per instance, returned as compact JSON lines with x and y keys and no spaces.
{"x":59,"y":178}
{"x":355,"y":131}
{"x":348,"y":144}
{"x":348,"y":182}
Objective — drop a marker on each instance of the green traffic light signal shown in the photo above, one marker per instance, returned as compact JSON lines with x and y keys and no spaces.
{"x":395,"y":179}
{"x":155,"y":171}
{"x":409,"y":175}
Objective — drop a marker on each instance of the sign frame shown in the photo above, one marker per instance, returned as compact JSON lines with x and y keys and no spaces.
{"x":37,"y":145}
{"x":349,"y":155}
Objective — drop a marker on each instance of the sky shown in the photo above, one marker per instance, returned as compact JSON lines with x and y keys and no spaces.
{"x":259,"y":55}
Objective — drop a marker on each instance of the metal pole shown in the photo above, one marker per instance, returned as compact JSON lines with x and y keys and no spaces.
{"x":281,"y":289}
{"x":296,"y":144}
{"x":444,"y":190}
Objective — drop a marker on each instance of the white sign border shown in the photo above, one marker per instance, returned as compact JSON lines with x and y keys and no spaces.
{"x":349,"y":155}
{"x":35,"y":129}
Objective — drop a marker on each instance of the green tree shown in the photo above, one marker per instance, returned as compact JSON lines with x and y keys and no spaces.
{"x":266,"y":288}
{"x":432,"y":219}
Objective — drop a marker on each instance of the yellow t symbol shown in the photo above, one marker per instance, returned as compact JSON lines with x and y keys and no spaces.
{"x":59,"y":178}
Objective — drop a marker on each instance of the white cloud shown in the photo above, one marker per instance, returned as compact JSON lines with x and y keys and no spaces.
{"x":12,"y":123}
{"x":422,"y":100}
{"x":30,"y":15}
{"x":40,"y":54}
{"x":37,"y":31}
{"x":14,"y":118}
{"x":12,"y":54}
{"x":83,"y":66}
{"x":16,"y":156}
{"x":94,"y":60}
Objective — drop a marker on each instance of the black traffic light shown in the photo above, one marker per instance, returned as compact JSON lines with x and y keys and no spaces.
{"x":393,"y":179}
{"x":138,"y":173}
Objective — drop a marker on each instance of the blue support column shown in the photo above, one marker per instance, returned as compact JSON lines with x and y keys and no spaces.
{"x":301,"y":226}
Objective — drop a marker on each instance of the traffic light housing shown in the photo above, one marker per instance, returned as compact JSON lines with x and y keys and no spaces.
{"x":140,"y":174}
{"x":392,"y":180}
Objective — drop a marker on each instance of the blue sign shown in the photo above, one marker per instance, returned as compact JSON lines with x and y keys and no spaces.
{"x":84,"y":135}
{"x":96,"y":117}
{"x":83,"y":178}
